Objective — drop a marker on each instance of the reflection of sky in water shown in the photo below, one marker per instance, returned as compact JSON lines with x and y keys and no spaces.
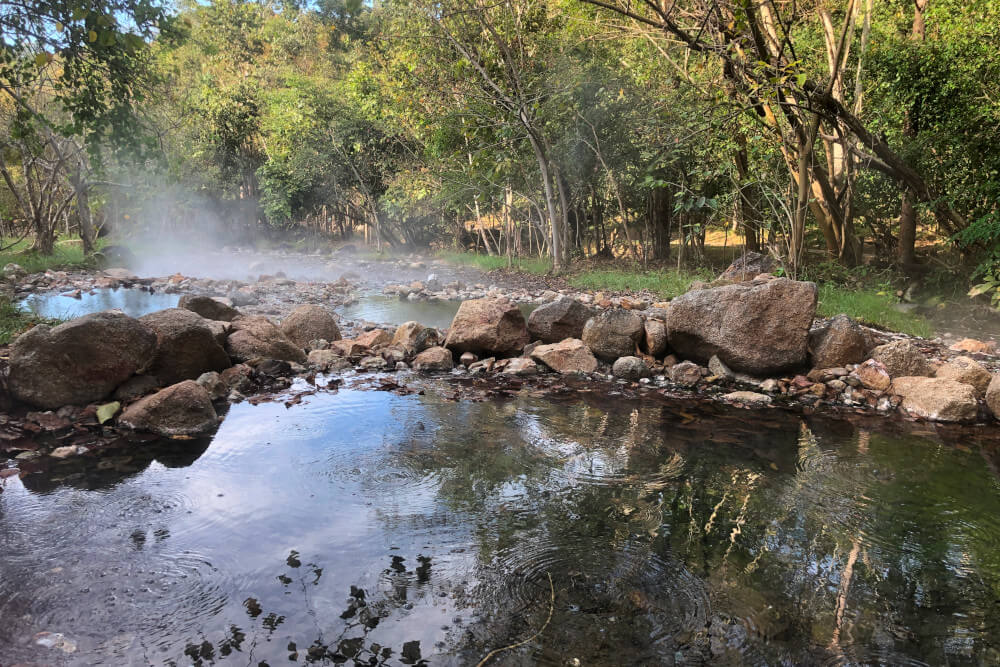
{"x":450,"y":514}
{"x":383,"y":309}
{"x":133,"y":302}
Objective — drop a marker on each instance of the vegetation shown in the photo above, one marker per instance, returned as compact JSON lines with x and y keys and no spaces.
{"x":847,"y":132}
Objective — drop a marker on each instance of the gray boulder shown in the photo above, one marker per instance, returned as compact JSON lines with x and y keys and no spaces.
{"x":902,"y":358}
{"x":838,"y":342}
{"x":686,"y":374}
{"x":310,"y":322}
{"x":79,"y":361}
{"x":208,"y":307}
{"x":760,"y":328}
{"x":258,"y":337}
{"x":434,"y":359}
{"x":186,"y":347}
{"x":183,"y":409}
{"x":630,"y":368}
{"x":414,"y":337}
{"x":747,"y":267}
{"x":566,"y":356}
{"x":937,"y":399}
{"x":489,"y":325}
{"x":967,"y":371}
{"x":560,"y":319}
{"x":613,"y":333}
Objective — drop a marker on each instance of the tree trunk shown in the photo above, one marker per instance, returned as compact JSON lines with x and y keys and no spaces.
{"x":82,"y":192}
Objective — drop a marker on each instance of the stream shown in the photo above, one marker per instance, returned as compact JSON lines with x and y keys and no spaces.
{"x":366,"y":527}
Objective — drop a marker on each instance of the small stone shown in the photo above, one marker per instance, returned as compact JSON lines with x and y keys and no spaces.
{"x":902,"y":358}
{"x":521,"y":366}
{"x":873,"y":375}
{"x":468,"y":358}
{"x":770,"y":385}
{"x":748,"y":398}
{"x":63,"y":452}
{"x":686,"y":374}
{"x":434,"y":359}
{"x":630,"y":368}
{"x":973,"y":345}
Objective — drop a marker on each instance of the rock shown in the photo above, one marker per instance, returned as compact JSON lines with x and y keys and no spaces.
{"x":718,"y":368}
{"x":748,"y":267}
{"x":902,"y":359}
{"x":309,"y":322}
{"x":257,"y":336}
{"x":348,"y":347}
{"x":209,"y":308}
{"x":374,"y":363}
{"x":494,"y":325}
{"x":558,"y":320}
{"x":686,"y":374}
{"x":242,"y":297}
{"x":434,"y":359}
{"x":630,"y":368}
{"x":520,"y":366}
{"x":183,"y":409}
{"x":373,"y":338}
{"x":567,"y":356}
{"x":468,"y":358}
{"x":748,"y":398}
{"x":213,"y":384}
{"x":770,"y":385}
{"x":327,"y":360}
{"x":967,"y":371}
{"x":936,"y":399}
{"x":873,"y":375}
{"x":220,"y":330}
{"x":185,"y":346}
{"x":80,"y":361}
{"x":136,"y":386}
{"x":993,"y":396}
{"x":838,"y":342}
{"x":12,"y":271}
{"x":120,"y":274}
{"x":613,"y":333}
{"x":973,"y":345}
{"x":414,"y":337}
{"x":63,"y":452}
{"x":759,"y":328}
{"x":655,"y":342}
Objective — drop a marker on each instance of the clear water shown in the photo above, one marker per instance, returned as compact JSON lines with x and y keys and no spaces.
{"x":383,"y":309}
{"x":132,"y":301}
{"x":370,"y":528}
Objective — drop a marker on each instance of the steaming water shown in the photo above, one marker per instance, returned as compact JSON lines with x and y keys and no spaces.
{"x":131,"y":301}
{"x":393,"y":310}
{"x":361,"y":526}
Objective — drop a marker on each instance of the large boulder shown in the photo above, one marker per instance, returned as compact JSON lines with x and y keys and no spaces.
{"x":209,"y":308}
{"x":760,"y":328}
{"x":258,"y":336}
{"x":937,"y":399}
{"x":967,"y":371}
{"x":567,"y":356}
{"x":613,"y":333}
{"x":310,"y":322}
{"x":186,"y":347}
{"x":183,"y":409}
{"x":434,"y":359}
{"x":79,"y":361}
{"x":414,"y":337}
{"x":903,"y":359}
{"x":489,"y":325}
{"x":748,"y":266}
{"x":838,"y":342}
{"x":558,"y":320}
{"x":993,"y":396}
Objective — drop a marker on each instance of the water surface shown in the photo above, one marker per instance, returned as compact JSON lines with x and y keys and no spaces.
{"x":132,"y":301}
{"x":383,"y":309}
{"x":370,"y":528}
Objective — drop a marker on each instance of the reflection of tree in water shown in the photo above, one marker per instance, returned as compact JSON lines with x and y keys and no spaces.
{"x":349,"y":644}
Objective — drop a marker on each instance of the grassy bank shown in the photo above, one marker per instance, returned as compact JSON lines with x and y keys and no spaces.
{"x":491,"y":262}
{"x":871,"y":307}
{"x":666,"y":284}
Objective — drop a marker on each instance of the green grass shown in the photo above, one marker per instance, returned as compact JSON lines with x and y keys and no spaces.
{"x":14,"y":321}
{"x":66,"y":255}
{"x":490,"y":262}
{"x":667,"y":284}
{"x":870,"y":307}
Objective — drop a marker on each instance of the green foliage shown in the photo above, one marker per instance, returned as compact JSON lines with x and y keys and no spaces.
{"x":67,"y":254}
{"x":491,"y":262}
{"x":667,"y":283}
{"x":877,"y":308}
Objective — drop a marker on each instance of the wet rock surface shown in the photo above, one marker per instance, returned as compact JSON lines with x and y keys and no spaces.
{"x":186,"y":346}
{"x":493,"y":325}
{"x":613,"y":333}
{"x":310,"y":322}
{"x":183,"y":409}
{"x":257,"y":336}
{"x":560,"y":319}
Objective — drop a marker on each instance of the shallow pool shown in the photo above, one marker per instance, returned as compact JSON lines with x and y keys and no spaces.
{"x":383,"y":309}
{"x":132,"y":301}
{"x":370,"y":528}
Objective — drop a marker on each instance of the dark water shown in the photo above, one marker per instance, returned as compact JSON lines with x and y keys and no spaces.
{"x":132,"y":301}
{"x":393,"y":310}
{"x":371,"y":528}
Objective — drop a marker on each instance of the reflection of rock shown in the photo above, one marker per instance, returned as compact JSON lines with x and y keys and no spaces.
{"x":488,"y":325}
{"x":79,"y":361}
{"x":182,"y":409}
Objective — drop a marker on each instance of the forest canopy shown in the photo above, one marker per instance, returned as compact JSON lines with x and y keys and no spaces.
{"x":844,"y":131}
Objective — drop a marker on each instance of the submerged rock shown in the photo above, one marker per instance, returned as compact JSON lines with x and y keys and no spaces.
{"x":257,"y":336}
{"x":902,"y":359}
{"x":558,"y":320}
{"x":838,"y":342}
{"x":185,"y":346}
{"x":183,"y":409}
{"x":488,"y":325}
{"x":79,"y":361}
{"x":761,"y":328}
{"x":310,"y":322}
{"x":613,"y":333}
{"x":937,"y":399}
{"x":567,"y":356}
{"x":209,"y":308}
{"x":434,"y":359}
